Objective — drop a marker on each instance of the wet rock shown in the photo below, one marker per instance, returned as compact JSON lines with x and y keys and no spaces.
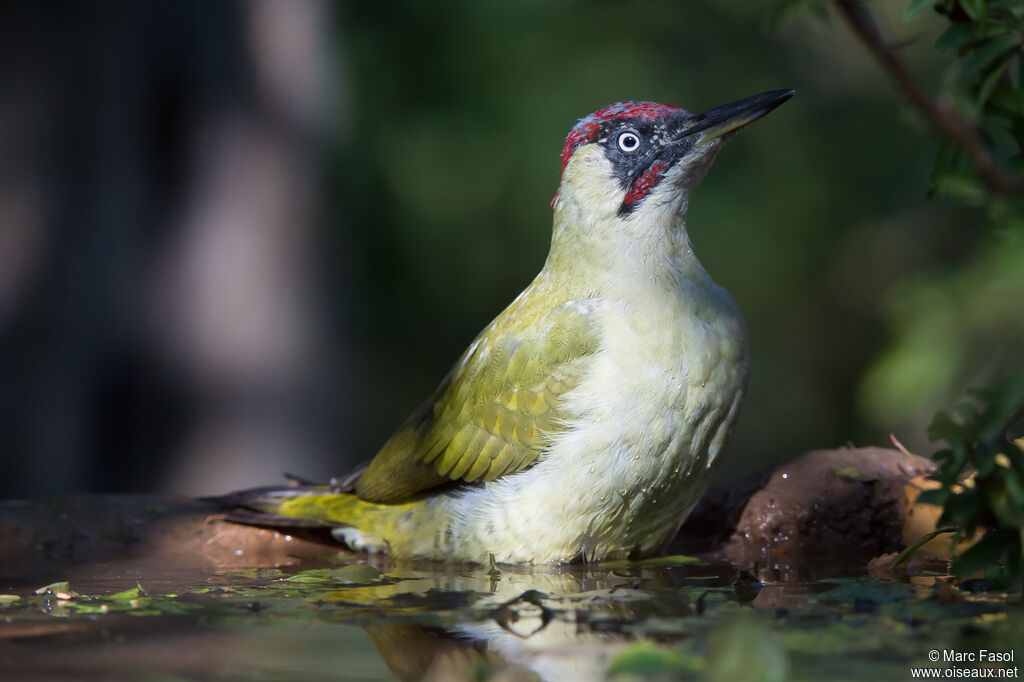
{"x":828,"y":506}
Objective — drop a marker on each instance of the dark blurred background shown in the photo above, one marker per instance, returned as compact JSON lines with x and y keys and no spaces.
{"x":239,"y":238}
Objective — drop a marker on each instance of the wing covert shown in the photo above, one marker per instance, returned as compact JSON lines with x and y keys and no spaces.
{"x":495,"y":411}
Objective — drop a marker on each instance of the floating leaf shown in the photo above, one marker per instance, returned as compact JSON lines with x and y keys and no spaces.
{"x":353,"y":573}
{"x":746,"y":649}
{"x":647,"y":658}
{"x":61,"y":590}
{"x":253,"y":573}
{"x":866,"y":589}
{"x":675,"y":560}
{"x":127,"y":595}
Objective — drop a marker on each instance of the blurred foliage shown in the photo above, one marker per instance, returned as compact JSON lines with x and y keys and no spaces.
{"x":985,"y":441}
{"x":951,"y":328}
{"x":961,"y":326}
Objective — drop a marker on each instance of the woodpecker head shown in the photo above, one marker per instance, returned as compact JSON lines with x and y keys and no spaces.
{"x":635,"y":159}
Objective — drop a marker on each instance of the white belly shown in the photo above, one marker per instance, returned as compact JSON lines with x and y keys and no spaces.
{"x":649,"y":421}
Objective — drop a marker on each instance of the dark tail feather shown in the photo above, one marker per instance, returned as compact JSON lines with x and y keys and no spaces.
{"x":258,"y":506}
{"x":253,"y":506}
{"x":249,"y":517}
{"x":263,"y":495}
{"x":294,"y":486}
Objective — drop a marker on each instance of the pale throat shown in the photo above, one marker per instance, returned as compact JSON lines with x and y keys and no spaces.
{"x":606,"y":248}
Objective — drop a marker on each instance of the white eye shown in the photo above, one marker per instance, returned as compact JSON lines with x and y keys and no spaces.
{"x":629,"y":141}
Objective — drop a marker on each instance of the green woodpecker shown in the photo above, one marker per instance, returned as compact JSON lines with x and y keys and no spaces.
{"x":583,"y":422}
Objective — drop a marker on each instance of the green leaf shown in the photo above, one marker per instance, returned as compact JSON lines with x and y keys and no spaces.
{"x":963,"y":187}
{"x":746,"y":649}
{"x":8,"y":598}
{"x":989,"y":550}
{"x":944,"y":428}
{"x":646,"y":658}
{"x":937,"y":497}
{"x":86,"y":608}
{"x":989,"y":85}
{"x":1009,"y":513}
{"x":357,"y":573}
{"x":975,"y":9}
{"x":916,"y":7}
{"x":1012,"y":6}
{"x":954,"y":36}
{"x":353,"y":573}
{"x":127,"y":595}
{"x":866,"y":588}
{"x":985,"y":56}
{"x":1014,"y":480}
{"x":1003,"y":402}
{"x":62,"y":587}
{"x":964,"y":508}
{"x":1009,"y":99}
{"x":675,"y":560}
{"x":255,"y":573}
{"x":966,"y":35}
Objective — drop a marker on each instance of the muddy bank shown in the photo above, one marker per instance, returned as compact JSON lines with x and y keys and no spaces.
{"x":159,"y":534}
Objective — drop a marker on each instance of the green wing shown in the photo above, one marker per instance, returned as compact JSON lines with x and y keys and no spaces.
{"x":495,"y":411}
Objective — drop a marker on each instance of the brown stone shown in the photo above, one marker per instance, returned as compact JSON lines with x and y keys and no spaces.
{"x":841,"y":506}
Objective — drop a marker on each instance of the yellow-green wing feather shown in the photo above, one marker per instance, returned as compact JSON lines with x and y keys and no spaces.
{"x":495,"y":411}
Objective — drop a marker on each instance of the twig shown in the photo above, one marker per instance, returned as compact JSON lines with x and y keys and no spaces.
{"x":941,"y":116}
{"x":900,"y":446}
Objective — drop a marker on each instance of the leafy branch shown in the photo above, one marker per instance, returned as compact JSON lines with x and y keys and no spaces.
{"x":983,"y":446}
{"x":942,"y":116}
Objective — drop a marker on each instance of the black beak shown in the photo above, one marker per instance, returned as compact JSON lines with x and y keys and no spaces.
{"x":719,"y":121}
